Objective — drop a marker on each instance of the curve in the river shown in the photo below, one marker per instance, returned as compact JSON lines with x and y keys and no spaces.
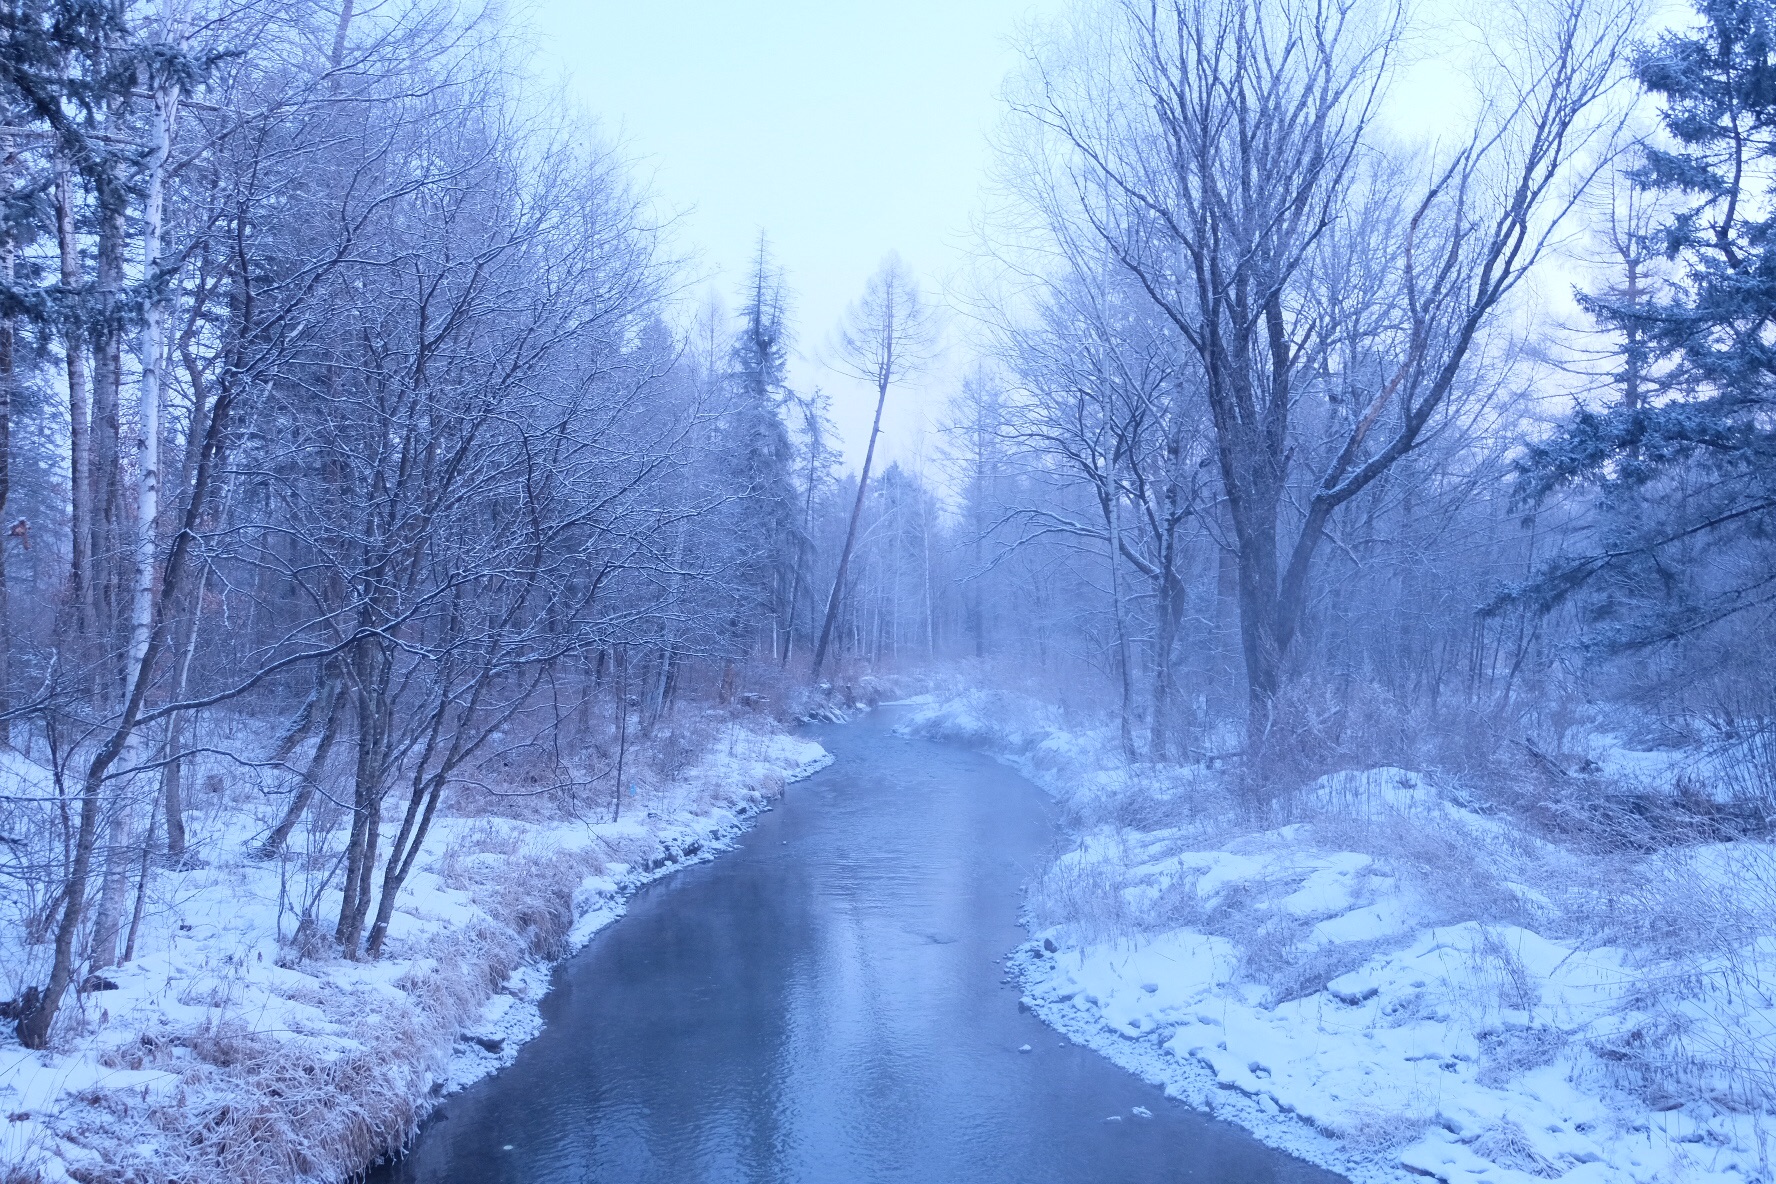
{"x":826,"y":1004}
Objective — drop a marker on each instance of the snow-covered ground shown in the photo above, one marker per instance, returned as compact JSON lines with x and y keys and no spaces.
{"x":1396,"y":982}
{"x":219,"y":1051}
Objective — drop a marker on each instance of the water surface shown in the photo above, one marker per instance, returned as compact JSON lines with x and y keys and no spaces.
{"x":826,"y":1004}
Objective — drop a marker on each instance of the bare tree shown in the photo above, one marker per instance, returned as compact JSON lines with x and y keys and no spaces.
{"x":1223,"y":154}
{"x":887,"y":337}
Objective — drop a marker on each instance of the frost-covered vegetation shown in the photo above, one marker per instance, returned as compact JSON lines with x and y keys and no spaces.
{"x":1404,"y":665}
{"x":1394,"y":970}
{"x":390,"y":549}
{"x":389,"y":558}
{"x":235,"y":1044}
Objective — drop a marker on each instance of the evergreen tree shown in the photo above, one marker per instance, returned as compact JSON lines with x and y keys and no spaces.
{"x":761,"y":455}
{"x":1686,"y":469}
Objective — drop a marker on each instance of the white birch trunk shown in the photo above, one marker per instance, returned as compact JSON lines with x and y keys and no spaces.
{"x":107,"y":920}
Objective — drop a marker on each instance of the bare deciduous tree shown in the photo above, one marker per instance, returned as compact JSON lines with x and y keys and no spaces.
{"x":1224,"y":155}
{"x":887,"y":337}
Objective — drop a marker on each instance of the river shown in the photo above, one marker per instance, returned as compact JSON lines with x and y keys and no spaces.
{"x":826,"y":1003}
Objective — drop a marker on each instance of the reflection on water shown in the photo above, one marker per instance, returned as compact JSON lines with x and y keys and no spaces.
{"x":825,"y":1004}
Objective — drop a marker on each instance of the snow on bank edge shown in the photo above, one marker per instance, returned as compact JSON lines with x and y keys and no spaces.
{"x":137,"y":1063}
{"x":1479,"y":1051}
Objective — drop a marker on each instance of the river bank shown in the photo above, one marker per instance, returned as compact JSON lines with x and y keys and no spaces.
{"x":828,"y":1002}
{"x":233,"y":1047}
{"x":1394,"y":981}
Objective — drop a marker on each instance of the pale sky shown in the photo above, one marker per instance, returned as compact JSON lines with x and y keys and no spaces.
{"x":841,"y":129}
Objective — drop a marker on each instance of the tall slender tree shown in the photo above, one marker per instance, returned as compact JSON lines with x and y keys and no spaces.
{"x":886,"y":338}
{"x":759,"y":452}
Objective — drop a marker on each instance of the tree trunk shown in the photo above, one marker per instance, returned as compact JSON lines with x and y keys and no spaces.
{"x":113,"y":890}
{"x":280,"y":835}
{"x":104,"y":585}
{"x":832,"y":602}
{"x":372,"y":696}
{"x":79,"y":460}
{"x":135,"y":925}
{"x":1226,"y":615}
{"x":34,"y":1024}
{"x":172,"y":790}
{"x":1170,"y":609}
{"x":1124,"y":673}
{"x":145,"y":546}
{"x":7,"y":379}
{"x":172,"y":771}
{"x":421,"y":808}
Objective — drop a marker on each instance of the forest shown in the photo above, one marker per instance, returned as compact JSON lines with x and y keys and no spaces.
{"x":407,"y":554}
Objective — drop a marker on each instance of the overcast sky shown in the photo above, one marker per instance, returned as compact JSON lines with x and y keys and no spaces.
{"x":843,"y":130}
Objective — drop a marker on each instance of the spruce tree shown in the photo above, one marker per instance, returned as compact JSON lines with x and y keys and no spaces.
{"x":761,"y":454}
{"x":1686,"y":470}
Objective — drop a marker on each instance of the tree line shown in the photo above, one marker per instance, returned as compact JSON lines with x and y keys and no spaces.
{"x":352,"y":439}
{"x":355,"y":437}
{"x":1281,"y":433}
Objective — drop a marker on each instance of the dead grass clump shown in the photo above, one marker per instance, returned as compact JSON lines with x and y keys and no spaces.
{"x":679,"y":742}
{"x":538,"y":907}
{"x":251,"y":1109}
{"x":1277,"y":948}
{"x":1086,"y":896}
{"x":1508,"y":1053}
{"x":1460,"y":873}
{"x":1497,"y":967}
{"x":1697,"y":1036}
{"x":1508,"y":1145}
{"x":1328,"y":725}
{"x":1376,"y":1129}
{"x":1141,"y":799}
{"x":1307,"y":970}
{"x":1667,"y":906}
{"x":1660,"y":1061}
{"x":450,"y":988}
{"x":1621,"y":820}
{"x":1176,"y":904}
{"x":1267,"y":936}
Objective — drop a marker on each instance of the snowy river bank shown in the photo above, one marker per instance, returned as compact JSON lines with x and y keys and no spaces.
{"x":830,"y":1001}
{"x":222,"y":1052}
{"x":1395,"y":985}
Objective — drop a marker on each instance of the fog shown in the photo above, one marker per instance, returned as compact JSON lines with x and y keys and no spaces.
{"x":448,"y":454}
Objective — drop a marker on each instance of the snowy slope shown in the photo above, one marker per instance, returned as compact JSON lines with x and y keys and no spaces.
{"x":1452,"y":999}
{"x":216,"y":1053}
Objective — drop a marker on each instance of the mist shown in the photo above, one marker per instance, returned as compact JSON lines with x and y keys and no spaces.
{"x":462,"y":466}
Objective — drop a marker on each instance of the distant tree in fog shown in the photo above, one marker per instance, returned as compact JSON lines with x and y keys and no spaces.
{"x":885,"y":338}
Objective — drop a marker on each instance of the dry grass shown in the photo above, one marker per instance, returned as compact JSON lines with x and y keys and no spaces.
{"x":1508,"y":1053}
{"x":1376,"y":1129}
{"x":251,"y":1109}
{"x":1506,"y":1144}
{"x":1084,"y":895}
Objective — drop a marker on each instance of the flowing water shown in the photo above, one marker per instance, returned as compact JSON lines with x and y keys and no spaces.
{"x":826,"y":1004}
